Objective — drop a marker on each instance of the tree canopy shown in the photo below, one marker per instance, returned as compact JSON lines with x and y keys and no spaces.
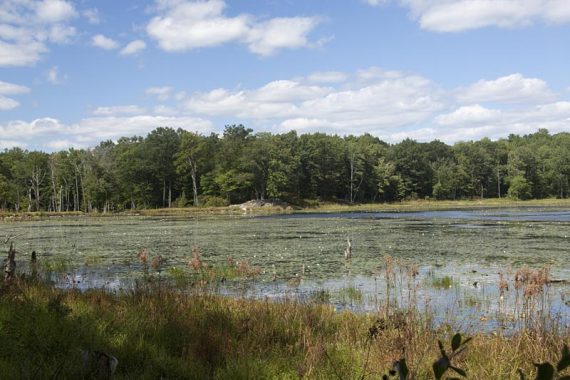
{"x":176,"y":167}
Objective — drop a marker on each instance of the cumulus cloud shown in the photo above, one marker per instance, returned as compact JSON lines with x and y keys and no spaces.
{"x":103,"y":42}
{"x":12,"y":89}
{"x":92,"y":16}
{"x":184,"y":25}
{"x":54,"y":11}
{"x":7,"y":103}
{"x":474,"y":114}
{"x":459,"y":15}
{"x":512,"y":88}
{"x":54,"y":76}
{"x":90,"y":131}
{"x":392,"y":105}
{"x":296,"y":104}
{"x":328,"y":77}
{"x":28,"y":27}
{"x":119,"y":110}
{"x":133,"y":47}
{"x":161,"y":93}
{"x":475,"y":122}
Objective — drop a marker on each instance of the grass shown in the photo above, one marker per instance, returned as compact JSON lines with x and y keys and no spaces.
{"x":445,"y":282}
{"x":314,"y":207}
{"x":156,"y":331}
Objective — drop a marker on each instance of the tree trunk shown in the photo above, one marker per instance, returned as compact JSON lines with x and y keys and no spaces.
{"x":164,"y":192}
{"x":29,"y":199}
{"x":76,"y":195}
{"x":170,"y":194}
{"x":499,"y":181}
{"x":193,"y":173}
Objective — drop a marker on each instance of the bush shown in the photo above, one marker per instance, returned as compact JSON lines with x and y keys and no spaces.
{"x":213,"y":201}
{"x":520,"y":188}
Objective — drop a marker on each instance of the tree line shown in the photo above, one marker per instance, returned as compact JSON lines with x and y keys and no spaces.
{"x":178,"y":168}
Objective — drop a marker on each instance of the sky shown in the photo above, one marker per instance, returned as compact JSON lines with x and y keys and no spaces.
{"x":75,"y":73}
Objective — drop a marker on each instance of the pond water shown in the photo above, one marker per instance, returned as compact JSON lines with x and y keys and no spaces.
{"x":460,"y":254}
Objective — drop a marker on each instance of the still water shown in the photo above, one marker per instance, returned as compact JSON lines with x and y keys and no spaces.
{"x":460,"y":254}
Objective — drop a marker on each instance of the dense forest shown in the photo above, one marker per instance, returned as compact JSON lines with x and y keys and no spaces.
{"x":177,"y":168}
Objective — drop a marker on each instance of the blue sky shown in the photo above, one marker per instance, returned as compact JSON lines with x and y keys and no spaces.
{"x":73,"y":73}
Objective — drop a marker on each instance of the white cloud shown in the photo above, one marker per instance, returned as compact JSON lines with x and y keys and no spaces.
{"x":20,"y":53}
{"x":165,"y":110}
{"x":6,"y":88}
{"x":280,"y":33}
{"x":184,"y":25}
{"x":374,"y":73}
{"x":133,"y":47}
{"x":7,"y":103}
{"x":161,"y":93}
{"x":385,"y":103}
{"x":12,"y":89}
{"x":89,"y":132}
{"x":474,"y":114}
{"x":54,"y":11}
{"x":375,"y":2}
{"x":475,"y":122}
{"x":7,"y":144}
{"x":389,"y":104}
{"x":118,"y":110}
{"x":459,"y":15}
{"x":27,"y":27}
{"x":92,"y":16}
{"x":103,"y":42}
{"x":328,"y":77}
{"x":513,"y":88}
{"x":54,"y":77}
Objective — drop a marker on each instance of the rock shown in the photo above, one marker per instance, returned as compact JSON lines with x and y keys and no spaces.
{"x":259,"y":203}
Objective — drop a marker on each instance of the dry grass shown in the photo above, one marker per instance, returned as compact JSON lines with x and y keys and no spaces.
{"x":158,"y":332}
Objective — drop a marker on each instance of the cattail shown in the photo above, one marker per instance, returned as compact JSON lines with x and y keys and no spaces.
{"x":143,"y":256}
{"x":503,"y":285}
{"x":157,"y":263}
{"x":196,"y":262}
{"x":348,"y":250}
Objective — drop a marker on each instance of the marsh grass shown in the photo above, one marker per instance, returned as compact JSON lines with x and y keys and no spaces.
{"x":350,"y":295}
{"x":174,"y":325}
{"x":445,"y":282}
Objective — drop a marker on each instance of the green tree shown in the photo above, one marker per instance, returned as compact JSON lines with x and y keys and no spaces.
{"x":190,"y":159}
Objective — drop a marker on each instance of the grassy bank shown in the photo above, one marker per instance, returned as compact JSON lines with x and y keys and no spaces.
{"x":158,"y":332}
{"x":312,"y":207}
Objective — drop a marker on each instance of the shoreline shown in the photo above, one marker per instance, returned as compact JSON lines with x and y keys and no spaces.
{"x":325,"y":207}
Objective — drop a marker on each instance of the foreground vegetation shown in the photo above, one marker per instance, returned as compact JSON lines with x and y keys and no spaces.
{"x":171,"y":168}
{"x":155,"y":330}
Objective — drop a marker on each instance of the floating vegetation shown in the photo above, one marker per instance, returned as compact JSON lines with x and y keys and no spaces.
{"x":445,"y":282}
{"x":350,"y":295}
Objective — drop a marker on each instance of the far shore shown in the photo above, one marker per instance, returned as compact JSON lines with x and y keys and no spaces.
{"x":321,"y":207}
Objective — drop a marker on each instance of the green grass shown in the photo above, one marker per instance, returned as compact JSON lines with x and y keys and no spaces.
{"x":159,"y":332}
{"x":351,"y":295}
{"x":445,"y":282}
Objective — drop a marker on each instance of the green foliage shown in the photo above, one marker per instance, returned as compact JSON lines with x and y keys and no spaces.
{"x":444,"y":363}
{"x":547,"y":371}
{"x":519,"y":188}
{"x":177,"y":168}
{"x":213,"y":201}
{"x":350,"y":294}
{"x":444,"y":282}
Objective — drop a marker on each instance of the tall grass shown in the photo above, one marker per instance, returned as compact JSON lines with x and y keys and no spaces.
{"x":185,"y":330}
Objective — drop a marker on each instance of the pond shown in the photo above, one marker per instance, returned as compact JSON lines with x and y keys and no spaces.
{"x":461,"y":255}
